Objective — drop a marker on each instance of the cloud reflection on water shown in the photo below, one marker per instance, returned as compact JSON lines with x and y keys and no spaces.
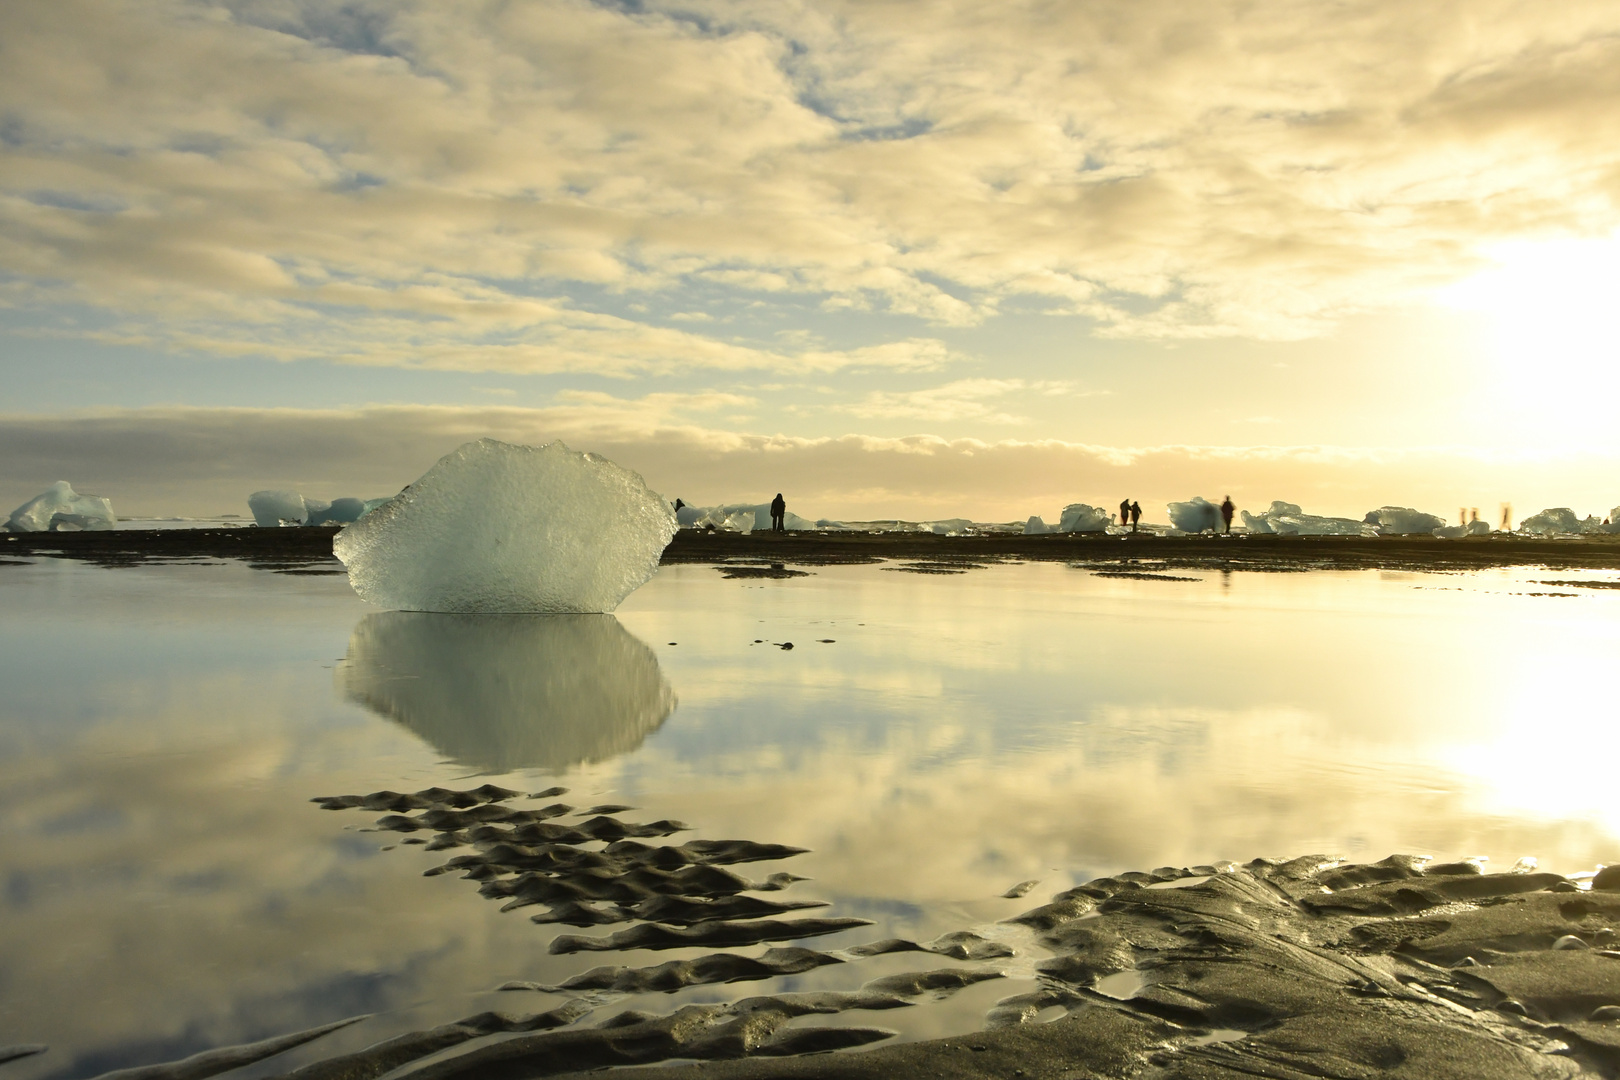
{"x":506,"y":692}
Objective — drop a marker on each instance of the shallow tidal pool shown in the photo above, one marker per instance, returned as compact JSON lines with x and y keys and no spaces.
{"x":167,"y":886}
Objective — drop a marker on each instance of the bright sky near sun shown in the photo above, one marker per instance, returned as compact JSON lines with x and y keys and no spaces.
{"x":903,"y":258}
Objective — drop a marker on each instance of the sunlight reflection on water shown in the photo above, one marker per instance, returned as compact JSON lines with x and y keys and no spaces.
{"x":168,"y":887}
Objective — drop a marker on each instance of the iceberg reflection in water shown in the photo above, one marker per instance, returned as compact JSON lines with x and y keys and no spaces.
{"x":504,"y":692}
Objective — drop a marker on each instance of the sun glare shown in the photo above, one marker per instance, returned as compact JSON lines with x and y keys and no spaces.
{"x":1548,"y":312}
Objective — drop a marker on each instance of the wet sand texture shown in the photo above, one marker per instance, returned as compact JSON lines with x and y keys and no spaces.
{"x":1308,"y":968}
{"x":309,"y":550}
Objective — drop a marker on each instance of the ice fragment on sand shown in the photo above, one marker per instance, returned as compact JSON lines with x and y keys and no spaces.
{"x":1561,"y":521}
{"x":494,"y":527}
{"x":1457,"y":532}
{"x":1079,"y":517}
{"x":1287,"y":519}
{"x":61,"y":509}
{"x":275,"y":508}
{"x":1195,"y":515}
{"x":1402,"y":521}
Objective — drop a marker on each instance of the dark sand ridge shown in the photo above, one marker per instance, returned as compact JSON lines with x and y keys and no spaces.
{"x":309,"y":550}
{"x":1308,"y":968}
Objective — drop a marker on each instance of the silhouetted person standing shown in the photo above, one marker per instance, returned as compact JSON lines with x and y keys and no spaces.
{"x":1125,"y":512}
{"x":1136,"y":515}
{"x":1227,"y":510}
{"x":778,"y":513}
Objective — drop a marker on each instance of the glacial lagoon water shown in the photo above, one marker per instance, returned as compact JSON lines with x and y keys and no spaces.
{"x":167,"y":886}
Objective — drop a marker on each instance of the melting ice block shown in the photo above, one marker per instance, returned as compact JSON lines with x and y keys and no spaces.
{"x":1561,"y":521}
{"x":1196,"y":515}
{"x":275,"y":508}
{"x":1402,"y":521}
{"x":1287,"y":519}
{"x":61,"y":509}
{"x":1079,"y":517}
{"x":500,"y":528}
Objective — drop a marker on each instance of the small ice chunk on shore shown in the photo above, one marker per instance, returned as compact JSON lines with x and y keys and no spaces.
{"x":494,"y":527}
{"x":1287,"y":519}
{"x":1080,"y":517}
{"x":1402,"y":521}
{"x":1195,"y":515}
{"x":61,"y":509}
{"x":1457,"y":532}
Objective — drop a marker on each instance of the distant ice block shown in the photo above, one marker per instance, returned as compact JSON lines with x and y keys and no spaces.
{"x":1196,"y":515}
{"x":1287,"y":519}
{"x":343,"y":511}
{"x":1457,"y":532}
{"x":272,"y":509}
{"x":1079,"y":517}
{"x":1561,"y":521}
{"x":947,"y":527}
{"x":1036,"y":527}
{"x":61,"y":509}
{"x":275,"y":508}
{"x":745,"y":518}
{"x":512,"y":692}
{"x":1402,"y":521}
{"x":494,"y":527}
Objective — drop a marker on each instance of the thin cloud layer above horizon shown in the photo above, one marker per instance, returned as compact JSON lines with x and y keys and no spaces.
{"x":1109,"y":224}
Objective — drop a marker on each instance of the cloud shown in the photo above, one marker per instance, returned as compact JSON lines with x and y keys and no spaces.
{"x":165,"y":461}
{"x":964,"y":399}
{"x":396,"y":183}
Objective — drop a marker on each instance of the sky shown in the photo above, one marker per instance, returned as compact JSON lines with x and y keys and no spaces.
{"x":894,"y":258}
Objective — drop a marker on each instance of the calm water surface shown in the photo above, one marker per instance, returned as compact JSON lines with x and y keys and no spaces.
{"x":167,"y":886}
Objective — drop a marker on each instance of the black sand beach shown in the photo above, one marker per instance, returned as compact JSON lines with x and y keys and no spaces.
{"x":309,"y":550}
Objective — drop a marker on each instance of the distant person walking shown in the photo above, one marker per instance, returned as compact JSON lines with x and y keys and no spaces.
{"x":1125,"y":512}
{"x":1227,"y":510}
{"x":1136,"y":515}
{"x":778,"y":513}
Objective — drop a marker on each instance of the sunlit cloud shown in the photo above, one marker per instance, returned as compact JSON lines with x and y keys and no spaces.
{"x":959,"y":400}
{"x":429,"y":184}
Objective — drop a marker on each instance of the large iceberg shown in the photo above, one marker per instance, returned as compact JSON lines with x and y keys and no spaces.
{"x":499,"y":693}
{"x":1035,"y":526}
{"x":1196,"y":515}
{"x":1079,"y":517}
{"x":1402,"y":521}
{"x":1287,"y":519}
{"x":494,"y":527}
{"x":61,"y":509}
